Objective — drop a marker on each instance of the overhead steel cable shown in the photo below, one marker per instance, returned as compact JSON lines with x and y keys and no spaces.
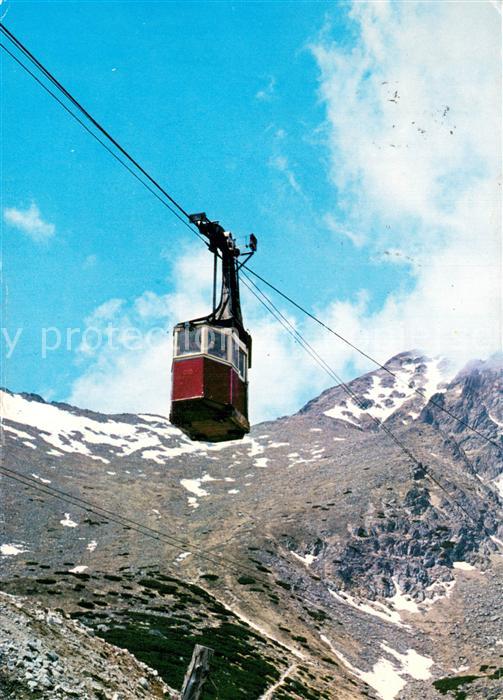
{"x":123,"y":520}
{"x":311,"y":351}
{"x":89,"y":116}
{"x":273,"y":309}
{"x":42,"y":488}
{"x":25,"y":51}
{"x":289,"y":327}
{"x":102,"y":142}
{"x":369,"y":357}
{"x":226,"y":563}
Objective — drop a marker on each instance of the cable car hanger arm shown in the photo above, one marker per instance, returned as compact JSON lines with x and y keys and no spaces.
{"x":220,"y":239}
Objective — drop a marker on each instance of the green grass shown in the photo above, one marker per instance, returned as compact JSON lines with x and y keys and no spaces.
{"x":299,"y":638}
{"x":456,"y":683}
{"x":238,"y":669}
{"x":155,"y":585}
{"x":283,"y":584}
{"x":445,"y":685}
{"x":319,"y":615}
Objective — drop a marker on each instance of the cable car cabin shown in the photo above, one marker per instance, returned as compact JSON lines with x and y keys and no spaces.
{"x":212,"y":355}
{"x":209,"y":382}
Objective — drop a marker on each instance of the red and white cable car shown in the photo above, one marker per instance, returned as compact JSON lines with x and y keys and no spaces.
{"x":212,"y":355}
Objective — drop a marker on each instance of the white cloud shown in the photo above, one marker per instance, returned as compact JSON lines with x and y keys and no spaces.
{"x":282,"y":374}
{"x":282,"y":165}
{"x":339,"y":229}
{"x":412,"y":192}
{"x":119,"y":377}
{"x":414,"y":116}
{"x":105,"y":312}
{"x":29,"y":222}
{"x":121,"y":374}
{"x":266,"y":94}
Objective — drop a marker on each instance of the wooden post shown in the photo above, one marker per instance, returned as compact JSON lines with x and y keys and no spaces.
{"x":197,"y":673}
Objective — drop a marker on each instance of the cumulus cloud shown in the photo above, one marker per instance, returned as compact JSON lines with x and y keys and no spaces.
{"x":413,"y":117}
{"x":30,"y":222}
{"x":106,"y":311}
{"x":126,"y":356}
{"x":414,"y":114}
{"x":129,"y":369}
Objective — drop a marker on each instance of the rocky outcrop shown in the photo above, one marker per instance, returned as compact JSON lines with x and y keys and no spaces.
{"x":45,"y":654}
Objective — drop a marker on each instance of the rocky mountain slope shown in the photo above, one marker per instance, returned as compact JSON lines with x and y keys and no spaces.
{"x":316,"y":556}
{"x":44,"y":653}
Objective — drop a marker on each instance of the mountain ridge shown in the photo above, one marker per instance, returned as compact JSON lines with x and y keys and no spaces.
{"x":358,"y":553}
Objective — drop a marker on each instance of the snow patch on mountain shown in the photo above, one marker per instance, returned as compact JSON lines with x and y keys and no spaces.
{"x":370,"y":607}
{"x":386,"y":677}
{"x":41,"y":479}
{"x":68,"y":522}
{"x":438,"y":590}
{"x":402,"y":601}
{"x":307,"y":559}
{"x":194,"y":486}
{"x":462,"y":566}
{"x":386,"y":393}
{"x":12,"y":550}
{"x":495,"y":420}
{"x":261,"y":462}
{"x":498,"y":483}
{"x":181,"y":557}
{"x":72,"y":432}
{"x":18,"y":433}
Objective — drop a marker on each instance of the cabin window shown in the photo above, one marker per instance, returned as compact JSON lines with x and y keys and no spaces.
{"x":217,"y":343}
{"x":242,"y":363}
{"x":239,"y":358}
{"x":235,"y":353}
{"x":188,"y":341}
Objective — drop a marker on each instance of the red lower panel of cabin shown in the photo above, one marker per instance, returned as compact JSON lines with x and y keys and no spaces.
{"x":209,"y":400}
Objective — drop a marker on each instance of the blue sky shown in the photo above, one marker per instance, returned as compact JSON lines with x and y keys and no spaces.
{"x":231,"y":106}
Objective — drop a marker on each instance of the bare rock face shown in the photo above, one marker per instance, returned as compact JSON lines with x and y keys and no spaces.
{"x":475,"y":395}
{"x":46,"y":654}
{"x":354,"y":548}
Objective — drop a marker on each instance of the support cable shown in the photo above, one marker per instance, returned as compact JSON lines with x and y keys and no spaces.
{"x":121,"y":520}
{"x":25,"y":51}
{"x":228,"y":564}
{"x":102,"y":142}
{"x":270,"y":306}
{"x":369,"y":357}
{"x":127,"y":523}
{"x":85,"y":113}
